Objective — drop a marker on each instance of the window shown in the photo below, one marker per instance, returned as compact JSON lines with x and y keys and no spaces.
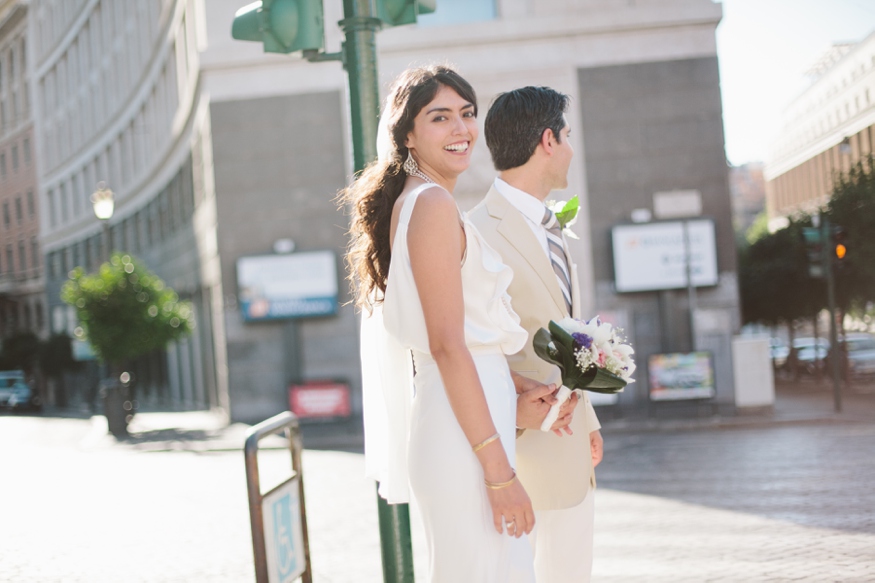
{"x":31,"y":207}
{"x":22,"y":259}
{"x":3,"y":165}
{"x":34,"y":252}
{"x":10,"y":259}
{"x":15,"y":157}
{"x":53,"y":212}
{"x":6,"y":220}
{"x":26,"y":151}
{"x":19,"y":213}
{"x":62,"y":195}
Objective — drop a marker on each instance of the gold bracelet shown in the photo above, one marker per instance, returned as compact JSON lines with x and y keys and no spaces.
{"x":484,"y":443}
{"x":500,"y":485}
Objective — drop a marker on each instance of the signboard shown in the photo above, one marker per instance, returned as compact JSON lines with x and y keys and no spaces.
{"x":320,"y":399}
{"x":679,"y":376}
{"x":294,"y":285}
{"x":283,"y":533}
{"x":652,"y":256}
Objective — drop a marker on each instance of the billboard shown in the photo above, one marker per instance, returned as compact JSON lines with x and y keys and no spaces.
{"x":294,"y":285}
{"x":679,"y":376}
{"x":652,"y":256}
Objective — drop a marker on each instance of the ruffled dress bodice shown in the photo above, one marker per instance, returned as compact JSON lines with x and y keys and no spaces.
{"x":489,"y":318}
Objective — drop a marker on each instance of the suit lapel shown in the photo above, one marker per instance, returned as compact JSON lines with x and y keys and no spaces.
{"x":514,"y":228}
{"x":575,"y":284}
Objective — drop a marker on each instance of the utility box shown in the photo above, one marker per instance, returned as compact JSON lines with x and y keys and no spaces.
{"x":754,"y":375}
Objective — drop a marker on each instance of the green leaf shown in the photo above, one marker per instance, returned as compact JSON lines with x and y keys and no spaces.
{"x":569,"y":211}
{"x":556,"y":346}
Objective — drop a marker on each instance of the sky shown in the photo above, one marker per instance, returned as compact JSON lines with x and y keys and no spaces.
{"x":764,"y":48}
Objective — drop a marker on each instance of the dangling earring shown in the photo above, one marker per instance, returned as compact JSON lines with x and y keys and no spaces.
{"x":410,"y":166}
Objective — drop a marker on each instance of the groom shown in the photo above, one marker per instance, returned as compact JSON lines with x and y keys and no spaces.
{"x":527,"y":135}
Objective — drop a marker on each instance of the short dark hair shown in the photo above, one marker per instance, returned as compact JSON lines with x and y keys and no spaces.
{"x":516,"y":121}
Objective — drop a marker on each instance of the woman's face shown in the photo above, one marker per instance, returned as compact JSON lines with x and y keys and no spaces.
{"x":443,"y":135}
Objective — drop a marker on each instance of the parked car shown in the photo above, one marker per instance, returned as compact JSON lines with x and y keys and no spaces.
{"x":16,"y":393}
{"x":779,"y":352}
{"x":811,"y":351}
{"x":861,"y":354}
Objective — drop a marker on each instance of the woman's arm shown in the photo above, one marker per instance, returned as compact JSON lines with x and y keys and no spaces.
{"x":435,"y":242}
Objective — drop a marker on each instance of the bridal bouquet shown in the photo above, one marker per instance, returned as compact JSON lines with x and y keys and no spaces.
{"x":591,"y":355}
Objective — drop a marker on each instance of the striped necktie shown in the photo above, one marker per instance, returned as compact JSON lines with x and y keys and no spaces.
{"x":558,"y":259}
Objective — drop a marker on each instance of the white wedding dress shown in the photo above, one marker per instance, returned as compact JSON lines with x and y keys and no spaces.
{"x":419,"y":439}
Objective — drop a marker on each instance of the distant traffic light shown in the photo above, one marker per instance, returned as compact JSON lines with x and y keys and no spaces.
{"x":813,"y":237}
{"x":284,"y":26}
{"x":398,"y":12}
{"x":839,"y":245}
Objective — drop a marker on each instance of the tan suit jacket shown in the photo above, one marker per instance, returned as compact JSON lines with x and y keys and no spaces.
{"x":556,"y":471}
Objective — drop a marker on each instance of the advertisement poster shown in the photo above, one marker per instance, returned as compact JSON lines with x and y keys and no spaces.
{"x":653,"y":256}
{"x":293,"y":285}
{"x":679,"y":376}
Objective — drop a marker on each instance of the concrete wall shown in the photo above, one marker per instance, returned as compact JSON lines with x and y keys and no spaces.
{"x":279,"y":163}
{"x":651,"y":127}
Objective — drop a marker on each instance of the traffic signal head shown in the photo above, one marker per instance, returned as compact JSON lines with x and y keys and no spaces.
{"x":839,"y":244}
{"x":814,"y":247}
{"x":398,"y":12}
{"x":284,"y":26}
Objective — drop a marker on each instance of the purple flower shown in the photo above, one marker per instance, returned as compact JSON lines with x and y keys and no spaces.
{"x":582,"y":340}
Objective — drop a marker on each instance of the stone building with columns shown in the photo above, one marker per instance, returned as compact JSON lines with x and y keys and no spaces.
{"x":827,"y":129}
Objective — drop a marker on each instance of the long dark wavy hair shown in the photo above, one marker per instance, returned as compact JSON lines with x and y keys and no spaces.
{"x":372,"y":196}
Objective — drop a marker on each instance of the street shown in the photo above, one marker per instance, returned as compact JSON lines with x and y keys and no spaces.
{"x":763,"y":503}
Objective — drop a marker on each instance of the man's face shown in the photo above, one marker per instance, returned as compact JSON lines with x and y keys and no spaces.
{"x":563,"y":153}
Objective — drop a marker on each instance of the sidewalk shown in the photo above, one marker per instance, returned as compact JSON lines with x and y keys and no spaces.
{"x":796,"y":403}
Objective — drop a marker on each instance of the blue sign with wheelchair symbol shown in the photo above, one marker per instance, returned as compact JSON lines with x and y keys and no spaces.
{"x":283,"y":533}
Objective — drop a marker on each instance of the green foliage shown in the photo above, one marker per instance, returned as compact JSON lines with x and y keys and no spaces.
{"x":852,"y":207}
{"x":19,"y":351}
{"x":758,"y":230}
{"x":773,"y":278}
{"x":126,"y":311}
{"x":56,"y":355}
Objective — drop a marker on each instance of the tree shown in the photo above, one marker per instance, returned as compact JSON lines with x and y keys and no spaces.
{"x":774,"y":284}
{"x":852,"y":207}
{"x":126,"y":311}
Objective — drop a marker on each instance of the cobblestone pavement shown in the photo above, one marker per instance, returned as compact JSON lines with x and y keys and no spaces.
{"x":793,"y":503}
{"x":789,"y":503}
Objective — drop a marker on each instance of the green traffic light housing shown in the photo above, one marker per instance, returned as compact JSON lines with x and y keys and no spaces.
{"x":399,"y":12}
{"x":284,"y":26}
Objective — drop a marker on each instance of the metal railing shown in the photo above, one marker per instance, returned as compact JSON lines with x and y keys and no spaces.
{"x":276,"y":555}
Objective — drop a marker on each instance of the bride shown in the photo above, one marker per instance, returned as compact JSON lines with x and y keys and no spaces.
{"x":430,"y":286}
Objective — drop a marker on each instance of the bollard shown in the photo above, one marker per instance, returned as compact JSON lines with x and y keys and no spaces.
{"x":280,"y":542}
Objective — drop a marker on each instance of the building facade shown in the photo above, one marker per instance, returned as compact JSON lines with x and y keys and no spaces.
{"x":216,"y":151}
{"x":117,"y":100}
{"x":22,"y":307}
{"x":827,"y":129}
{"x":646,"y":115}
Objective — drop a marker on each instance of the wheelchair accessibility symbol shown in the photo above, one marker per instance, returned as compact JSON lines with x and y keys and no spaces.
{"x":283,"y":533}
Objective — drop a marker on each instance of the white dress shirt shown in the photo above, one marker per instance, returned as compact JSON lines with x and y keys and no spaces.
{"x":530,"y":207}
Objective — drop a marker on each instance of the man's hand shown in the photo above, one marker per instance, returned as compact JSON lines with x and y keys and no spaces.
{"x":597,"y":447}
{"x":566,"y":414}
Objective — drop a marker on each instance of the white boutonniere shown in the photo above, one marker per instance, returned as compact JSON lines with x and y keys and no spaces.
{"x":566,"y":213}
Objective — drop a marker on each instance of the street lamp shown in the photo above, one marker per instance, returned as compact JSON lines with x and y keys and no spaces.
{"x":104,"y":205}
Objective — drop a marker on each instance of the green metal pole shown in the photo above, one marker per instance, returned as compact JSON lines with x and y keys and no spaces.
{"x":826,"y":237}
{"x":360,"y":51}
{"x":360,"y":48}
